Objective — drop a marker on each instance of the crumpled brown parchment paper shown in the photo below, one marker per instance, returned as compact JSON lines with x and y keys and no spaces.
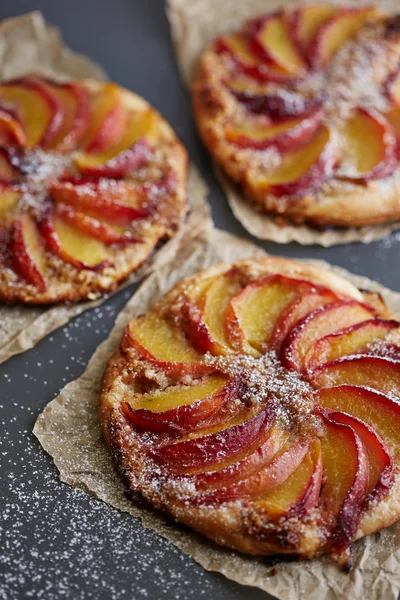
{"x":28,"y":44}
{"x":69,"y":430}
{"x":194,"y":24}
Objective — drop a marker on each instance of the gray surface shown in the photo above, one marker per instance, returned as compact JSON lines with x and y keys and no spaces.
{"x":56,"y":542}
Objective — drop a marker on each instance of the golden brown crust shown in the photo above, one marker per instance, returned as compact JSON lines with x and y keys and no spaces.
{"x":67,"y":283}
{"x":338,"y":202}
{"x":237,"y":525}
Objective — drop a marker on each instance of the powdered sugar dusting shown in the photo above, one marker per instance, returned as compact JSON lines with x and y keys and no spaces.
{"x":56,"y":541}
{"x":46,"y":534}
{"x":266,"y":380}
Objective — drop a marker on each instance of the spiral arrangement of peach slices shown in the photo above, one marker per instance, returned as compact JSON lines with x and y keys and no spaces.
{"x":268,"y":395}
{"x":308,"y":98}
{"x":91,"y":179}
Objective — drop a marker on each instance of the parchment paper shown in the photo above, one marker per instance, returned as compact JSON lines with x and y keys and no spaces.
{"x":28,"y":44}
{"x":69,"y":431}
{"x":194,"y":23}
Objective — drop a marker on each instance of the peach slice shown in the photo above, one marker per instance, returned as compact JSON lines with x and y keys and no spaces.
{"x":298,"y":310}
{"x":298,"y":346}
{"x":125,"y":156}
{"x":177,"y":396}
{"x":38,"y":110}
{"x":268,"y":478}
{"x":100,"y":230}
{"x":382,"y":374}
{"x":283,"y":135}
{"x":346,"y":484}
{"x":122,"y":165}
{"x":119,"y":202}
{"x":275,"y":441}
{"x":392,"y":87}
{"x":376,"y":409}
{"x":161,"y":342}
{"x":393,"y":118}
{"x":302,"y":170}
{"x":252,"y":314}
{"x":28,"y":256}
{"x":305,"y":22}
{"x":184,"y":419}
{"x":206,"y":315}
{"x":5,"y":240}
{"x":73,"y":245}
{"x":56,"y":108}
{"x":380,"y":476}
{"x":107,"y":119}
{"x":351,"y":340}
{"x":239,"y":50}
{"x":216,"y":449}
{"x":243,"y":85}
{"x":272,"y":40}
{"x":8,"y":201}
{"x":9,"y":172}
{"x":336,"y":31}
{"x":143,"y":420}
{"x":279,"y":105}
{"x":74,"y":100}
{"x":376,"y":301}
{"x":300,"y":492}
{"x":366,"y":128}
{"x":11,"y":129}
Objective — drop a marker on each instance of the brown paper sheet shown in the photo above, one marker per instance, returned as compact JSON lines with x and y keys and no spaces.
{"x":29,"y":44}
{"x":69,"y":431}
{"x":194,"y":23}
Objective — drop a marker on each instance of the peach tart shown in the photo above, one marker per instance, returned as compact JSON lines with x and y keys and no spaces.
{"x":301,"y":108}
{"x":259,"y":404}
{"x":92,"y":181}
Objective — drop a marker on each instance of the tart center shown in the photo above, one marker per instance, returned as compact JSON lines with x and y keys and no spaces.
{"x":265,"y":383}
{"x":38,"y":171}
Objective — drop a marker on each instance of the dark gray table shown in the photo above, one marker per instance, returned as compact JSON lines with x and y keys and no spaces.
{"x":56,"y":542}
